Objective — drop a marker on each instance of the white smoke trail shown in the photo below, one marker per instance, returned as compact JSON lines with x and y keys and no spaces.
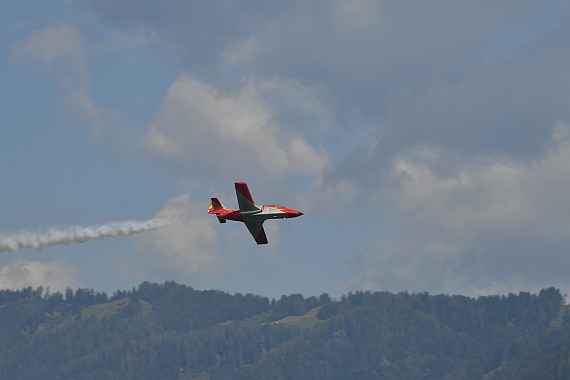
{"x":12,"y":242}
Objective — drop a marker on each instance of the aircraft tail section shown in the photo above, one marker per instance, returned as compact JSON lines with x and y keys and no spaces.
{"x":216,"y":207}
{"x":245,"y":200}
{"x":215,"y":204}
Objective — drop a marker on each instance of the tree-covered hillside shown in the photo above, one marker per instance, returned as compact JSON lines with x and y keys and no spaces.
{"x":172,"y":331}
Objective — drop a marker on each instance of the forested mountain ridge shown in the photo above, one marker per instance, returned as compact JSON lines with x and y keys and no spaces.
{"x":172,"y":331}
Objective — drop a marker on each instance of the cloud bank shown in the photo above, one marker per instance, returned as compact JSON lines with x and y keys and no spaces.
{"x":477,"y":226}
{"x":23,"y":273}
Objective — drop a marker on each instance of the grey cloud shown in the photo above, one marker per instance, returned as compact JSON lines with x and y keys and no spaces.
{"x":362,"y":48}
{"x":192,"y":32}
{"x":505,"y":107}
{"x":408,"y":72}
{"x":495,"y":221}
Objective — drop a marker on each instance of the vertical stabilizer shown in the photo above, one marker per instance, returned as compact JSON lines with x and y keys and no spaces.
{"x":215,"y":204}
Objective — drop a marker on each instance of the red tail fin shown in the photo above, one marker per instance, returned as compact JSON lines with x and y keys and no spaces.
{"x":217,"y":208}
{"x":215,"y":204}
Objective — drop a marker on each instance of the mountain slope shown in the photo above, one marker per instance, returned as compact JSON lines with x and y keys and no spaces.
{"x":172,"y":331}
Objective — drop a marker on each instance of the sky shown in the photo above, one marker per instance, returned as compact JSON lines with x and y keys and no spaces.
{"x":426,"y":143}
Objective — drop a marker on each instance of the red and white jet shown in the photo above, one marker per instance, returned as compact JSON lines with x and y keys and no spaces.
{"x":249,"y":213}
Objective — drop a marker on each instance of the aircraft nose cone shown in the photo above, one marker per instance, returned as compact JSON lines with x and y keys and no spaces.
{"x":292,"y":213}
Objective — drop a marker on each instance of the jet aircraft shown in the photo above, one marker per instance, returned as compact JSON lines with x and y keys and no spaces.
{"x":249,"y":213}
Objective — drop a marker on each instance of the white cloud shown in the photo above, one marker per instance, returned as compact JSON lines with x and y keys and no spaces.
{"x":499,"y":194}
{"x":188,"y":248}
{"x":488,"y":224}
{"x":22,"y":273}
{"x":57,"y":47}
{"x":209,"y":131}
{"x":61,"y":50}
{"x":80,"y":108}
{"x":242,"y":54}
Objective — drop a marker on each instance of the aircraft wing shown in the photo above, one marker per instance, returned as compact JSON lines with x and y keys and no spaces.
{"x":257,"y":231}
{"x":245,"y":200}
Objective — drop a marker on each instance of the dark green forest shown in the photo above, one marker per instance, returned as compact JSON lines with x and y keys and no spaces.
{"x":172,"y":331}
